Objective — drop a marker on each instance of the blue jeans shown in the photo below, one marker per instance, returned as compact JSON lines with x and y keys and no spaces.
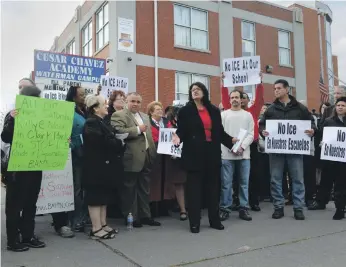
{"x":296,"y":172}
{"x":240,"y":168}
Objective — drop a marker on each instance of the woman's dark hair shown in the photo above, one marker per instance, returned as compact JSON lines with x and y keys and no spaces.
{"x":341,"y":99}
{"x":205,"y":99}
{"x":173,"y":114}
{"x":71,"y":93}
{"x":30,"y":91}
{"x":327,"y":104}
{"x":112,"y":98}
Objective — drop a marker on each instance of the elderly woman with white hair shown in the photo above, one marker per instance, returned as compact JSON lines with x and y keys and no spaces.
{"x":102,"y":165}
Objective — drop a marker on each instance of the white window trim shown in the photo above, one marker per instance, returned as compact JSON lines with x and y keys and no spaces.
{"x":289,"y":49}
{"x":249,"y":40}
{"x":190,"y":81}
{"x":70,"y":45}
{"x":101,"y":9}
{"x":86,"y":26}
{"x":191,"y":28}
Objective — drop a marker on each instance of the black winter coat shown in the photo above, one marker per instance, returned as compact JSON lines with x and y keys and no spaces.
{"x":103,"y":153}
{"x":191,"y":133}
{"x":292,"y":111}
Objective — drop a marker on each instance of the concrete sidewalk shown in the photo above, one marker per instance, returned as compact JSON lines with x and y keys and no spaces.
{"x":318,"y":241}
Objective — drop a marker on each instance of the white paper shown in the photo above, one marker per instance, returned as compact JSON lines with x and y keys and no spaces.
{"x":166,"y":145}
{"x":333,"y":144}
{"x":57,"y":193}
{"x":111,"y":83}
{"x":125,"y":35}
{"x":288,"y":137}
{"x":241,"y":136}
{"x":122,"y":136}
{"x":242,"y":71}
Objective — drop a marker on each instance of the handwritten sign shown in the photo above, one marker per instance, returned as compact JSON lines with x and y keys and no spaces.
{"x":242,"y":71}
{"x":41,"y":132}
{"x":288,"y":137}
{"x":111,"y":83}
{"x":165,"y":145}
{"x":56,"y":193}
{"x":334,"y":144}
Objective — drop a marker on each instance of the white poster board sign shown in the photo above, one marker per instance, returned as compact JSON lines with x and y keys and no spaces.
{"x":57,"y":192}
{"x":125,"y":35}
{"x":242,"y":71}
{"x":111,"y":83}
{"x":334,"y":144}
{"x":165,"y":145}
{"x":288,"y":137}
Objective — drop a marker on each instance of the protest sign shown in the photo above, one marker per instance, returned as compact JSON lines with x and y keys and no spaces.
{"x":41,"y":132}
{"x":242,"y":71}
{"x":334,"y":144}
{"x":288,"y":137}
{"x":166,"y":145}
{"x":56,"y":193}
{"x":111,"y":83}
{"x":56,"y":72}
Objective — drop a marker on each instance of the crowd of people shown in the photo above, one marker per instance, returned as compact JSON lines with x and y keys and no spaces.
{"x":215,"y":170}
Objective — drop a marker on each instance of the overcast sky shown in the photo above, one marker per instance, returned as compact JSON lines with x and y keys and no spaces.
{"x":29,"y":25}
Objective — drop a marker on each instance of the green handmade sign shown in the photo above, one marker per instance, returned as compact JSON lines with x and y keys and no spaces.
{"x":41,"y":132}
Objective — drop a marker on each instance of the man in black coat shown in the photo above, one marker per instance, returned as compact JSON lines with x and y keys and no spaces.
{"x":286,"y":107}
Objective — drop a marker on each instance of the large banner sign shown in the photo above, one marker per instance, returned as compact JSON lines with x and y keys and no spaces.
{"x":41,"y":133}
{"x":56,"y":72}
{"x":56,"y":193}
{"x":288,"y":137}
{"x":111,"y":83}
{"x":165,"y":145}
{"x":334,"y":144}
{"x":242,"y":71}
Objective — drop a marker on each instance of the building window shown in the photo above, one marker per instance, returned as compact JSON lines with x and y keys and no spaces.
{"x":183,"y":82}
{"x":248,"y":39}
{"x":71,"y":48}
{"x":191,"y":27}
{"x":284,"y":48}
{"x":102,"y":27}
{"x":87,"y":33}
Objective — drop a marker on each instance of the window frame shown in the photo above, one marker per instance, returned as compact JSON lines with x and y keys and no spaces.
{"x":72,"y":45}
{"x":90,"y":35}
{"x":190,"y":78}
{"x":191,"y":28}
{"x":248,"y":40}
{"x":102,"y":28}
{"x":285,"y":48}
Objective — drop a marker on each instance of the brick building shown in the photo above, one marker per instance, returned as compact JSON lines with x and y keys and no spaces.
{"x":178,"y":42}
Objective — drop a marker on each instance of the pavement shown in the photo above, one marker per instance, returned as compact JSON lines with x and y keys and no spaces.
{"x":316,"y":242}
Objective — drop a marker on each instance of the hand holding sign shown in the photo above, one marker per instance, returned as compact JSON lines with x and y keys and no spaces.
{"x":265,"y":133}
{"x":176,"y":139}
{"x":310,"y":132}
{"x":14,"y":113}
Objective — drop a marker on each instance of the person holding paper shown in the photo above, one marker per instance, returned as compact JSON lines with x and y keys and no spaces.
{"x":201,"y":131}
{"x":236,"y":122}
{"x":286,"y":107}
{"x":138,"y":159}
{"x":102,"y":166}
{"x":22,"y":190}
{"x":337,"y":169}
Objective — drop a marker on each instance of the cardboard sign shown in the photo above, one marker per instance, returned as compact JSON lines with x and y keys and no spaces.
{"x":57,"y":194}
{"x":41,"y":132}
{"x":334,"y":144}
{"x":165,"y":145}
{"x":288,"y":137}
{"x":242,"y":71}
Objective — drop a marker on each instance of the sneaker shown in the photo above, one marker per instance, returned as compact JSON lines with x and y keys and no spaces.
{"x":299,"y":215}
{"x":33,"y":243}
{"x":245,"y":215}
{"x":224,"y":215}
{"x":339,"y":214}
{"x":17,"y":247}
{"x":255,"y":208}
{"x":316,"y":206}
{"x":65,"y":232}
{"x":79,"y":228}
{"x":150,"y":222}
{"x":278,"y":213}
